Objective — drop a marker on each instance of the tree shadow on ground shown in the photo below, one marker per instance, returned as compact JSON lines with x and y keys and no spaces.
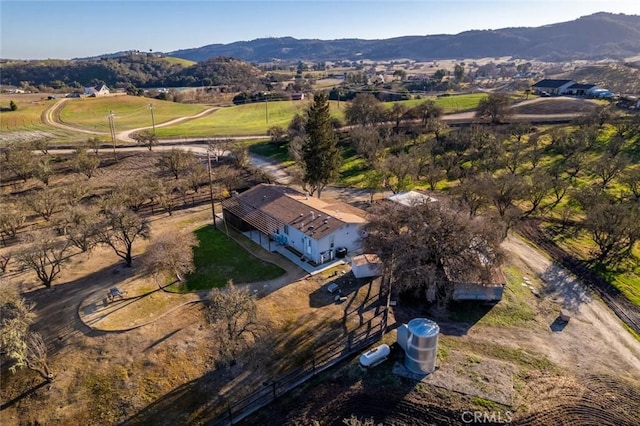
{"x":456,"y":320}
{"x":58,"y":307}
{"x":571,"y":290}
{"x":24,"y":395}
{"x":268,"y":361}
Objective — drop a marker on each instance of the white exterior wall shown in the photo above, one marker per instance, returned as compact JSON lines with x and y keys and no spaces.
{"x":562,"y":89}
{"x":349,"y":236}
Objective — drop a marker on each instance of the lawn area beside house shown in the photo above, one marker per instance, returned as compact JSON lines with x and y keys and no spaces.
{"x":219,"y":259}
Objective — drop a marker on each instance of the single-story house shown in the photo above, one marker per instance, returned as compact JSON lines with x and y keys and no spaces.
{"x":100,"y":90}
{"x":553,"y":87}
{"x":316,"y":230}
{"x":579,"y":89}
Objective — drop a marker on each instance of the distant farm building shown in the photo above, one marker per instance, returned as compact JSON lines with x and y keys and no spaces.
{"x":553,"y":87}
{"x":297,"y":96}
{"x":100,"y":90}
{"x":570,"y":87}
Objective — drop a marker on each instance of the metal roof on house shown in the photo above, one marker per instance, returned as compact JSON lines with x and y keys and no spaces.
{"x":266,"y":207}
{"x":550,"y":83}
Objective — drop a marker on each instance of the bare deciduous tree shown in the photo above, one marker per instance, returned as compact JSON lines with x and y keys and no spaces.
{"x":42,"y":170}
{"x":239,"y":154}
{"x":400,"y":169}
{"x":19,"y":160}
{"x":234,"y":313}
{"x":364,"y":110}
{"x":12,"y":216}
{"x":196,"y":176}
{"x":120,"y":229}
{"x":44,"y":201}
{"x":146,"y":139}
{"x":176,"y":161}
{"x":171,"y":252}
{"x":73,"y":193}
{"x":418,"y":243}
{"x":495,"y":107}
{"x":94,"y":144}
{"x":45,"y":255}
{"x":614,"y":227}
{"x":5,"y":258}
{"x":82,"y":162}
{"x":82,"y":227}
{"x":608,"y":166}
{"x":631,"y":179}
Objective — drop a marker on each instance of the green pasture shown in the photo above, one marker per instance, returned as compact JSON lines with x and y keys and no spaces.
{"x":219,"y":259}
{"x":242,"y":120}
{"x":130,"y":112}
{"x":449,"y":104}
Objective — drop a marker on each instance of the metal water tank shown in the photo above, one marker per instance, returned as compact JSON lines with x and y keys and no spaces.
{"x":421,"y":346}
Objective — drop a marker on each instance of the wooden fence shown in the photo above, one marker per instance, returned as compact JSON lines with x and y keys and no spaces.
{"x":356,"y":341}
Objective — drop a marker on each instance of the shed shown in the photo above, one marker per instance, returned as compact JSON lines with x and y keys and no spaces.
{"x":366,"y":265}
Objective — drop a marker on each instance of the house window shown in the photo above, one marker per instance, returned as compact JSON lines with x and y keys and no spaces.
{"x":286,"y":229}
{"x":332,"y":241}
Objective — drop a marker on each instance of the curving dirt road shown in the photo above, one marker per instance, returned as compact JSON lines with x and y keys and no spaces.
{"x":125,"y":135}
{"x":563,"y":287}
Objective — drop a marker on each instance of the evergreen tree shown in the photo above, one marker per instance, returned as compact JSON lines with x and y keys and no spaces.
{"x":320,"y":152}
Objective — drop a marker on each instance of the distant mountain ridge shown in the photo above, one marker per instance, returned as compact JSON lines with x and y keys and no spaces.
{"x":598,"y":36}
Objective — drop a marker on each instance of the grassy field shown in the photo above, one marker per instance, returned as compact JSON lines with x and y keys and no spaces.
{"x":179,"y":61}
{"x":272,"y":151}
{"x":27,"y":116}
{"x":219,"y":259}
{"x":26,"y":123}
{"x":250,"y":119}
{"x":131,"y":112}
{"x":449,"y":104}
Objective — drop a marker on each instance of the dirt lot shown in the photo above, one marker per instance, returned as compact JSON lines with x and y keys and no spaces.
{"x":534,"y":373}
{"x":513,"y":358}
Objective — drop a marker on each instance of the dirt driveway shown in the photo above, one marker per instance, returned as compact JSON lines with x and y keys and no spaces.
{"x":602,"y":332}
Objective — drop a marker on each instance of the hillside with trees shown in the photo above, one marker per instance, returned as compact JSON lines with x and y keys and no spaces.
{"x":133,"y":69}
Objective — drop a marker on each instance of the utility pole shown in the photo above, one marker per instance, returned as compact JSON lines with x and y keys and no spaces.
{"x":266,"y":107}
{"x":112,"y":128}
{"x":213,"y":206}
{"x":153,"y":121}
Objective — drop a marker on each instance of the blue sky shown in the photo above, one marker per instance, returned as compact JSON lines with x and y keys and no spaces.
{"x":67,"y":29}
